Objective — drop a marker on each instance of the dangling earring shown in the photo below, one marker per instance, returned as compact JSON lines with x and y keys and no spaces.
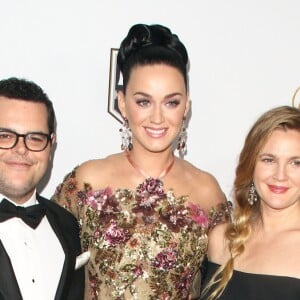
{"x":181,"y":146}
{"x":125,"y":136}
{"x":252,"y":196}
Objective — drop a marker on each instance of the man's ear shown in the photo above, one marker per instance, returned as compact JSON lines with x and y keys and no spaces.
{"x":53,"y":145}
{"x":53,"y":138}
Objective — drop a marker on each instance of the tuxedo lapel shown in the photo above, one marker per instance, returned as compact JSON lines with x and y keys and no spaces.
{"x":9,"y":288}
{"x":70,"y":257}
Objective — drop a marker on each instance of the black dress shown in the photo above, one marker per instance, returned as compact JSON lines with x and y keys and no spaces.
{"x":248,"y":286}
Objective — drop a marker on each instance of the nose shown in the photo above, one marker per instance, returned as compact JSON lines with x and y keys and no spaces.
{"x":20,"y":147}
{"x":157,"y":116}
{"x":280,"y":173}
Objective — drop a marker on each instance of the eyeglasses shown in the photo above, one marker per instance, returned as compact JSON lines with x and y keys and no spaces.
{"x":33,"y":141}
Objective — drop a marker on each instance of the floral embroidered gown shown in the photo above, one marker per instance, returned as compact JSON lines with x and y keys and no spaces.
{"x":144,"y":244}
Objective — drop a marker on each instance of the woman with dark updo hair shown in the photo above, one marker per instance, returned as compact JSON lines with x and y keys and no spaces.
{"x":145,"y":213}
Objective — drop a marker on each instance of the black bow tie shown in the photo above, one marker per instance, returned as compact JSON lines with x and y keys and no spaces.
{"x":31,"y":215}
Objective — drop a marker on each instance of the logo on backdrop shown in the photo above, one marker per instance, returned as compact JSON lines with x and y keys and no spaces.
{"x":296,"y":98}
{"x":115,"y":85}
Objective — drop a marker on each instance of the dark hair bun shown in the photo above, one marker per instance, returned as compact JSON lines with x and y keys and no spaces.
{"x":141,"y":36}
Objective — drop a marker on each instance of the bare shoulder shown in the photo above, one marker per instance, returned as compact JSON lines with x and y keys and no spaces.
{"x":204,"y":186}
{"x":218,"y":251}
{"x":97,"y":170}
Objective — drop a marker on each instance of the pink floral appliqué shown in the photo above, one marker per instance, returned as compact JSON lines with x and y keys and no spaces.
{"x":166,"y":259}
{"x":148,"y":193}
{"x":198,"y":215}
{"x":115,"y":235}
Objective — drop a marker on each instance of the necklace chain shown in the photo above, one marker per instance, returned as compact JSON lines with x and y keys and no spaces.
{"x":144,"y":174}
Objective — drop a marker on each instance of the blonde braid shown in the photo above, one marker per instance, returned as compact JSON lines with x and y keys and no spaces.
{"x":237,"y":235}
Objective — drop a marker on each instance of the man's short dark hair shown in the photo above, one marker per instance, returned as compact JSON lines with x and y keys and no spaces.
{"x":22,"y":89}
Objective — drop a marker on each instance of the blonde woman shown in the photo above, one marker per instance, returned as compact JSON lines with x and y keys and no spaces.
{"x":258,"y":256}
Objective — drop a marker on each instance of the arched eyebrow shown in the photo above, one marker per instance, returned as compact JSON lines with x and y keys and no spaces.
{"x":266,"y":154}
{"x":274,"y":156}
{"x":166,"y":97}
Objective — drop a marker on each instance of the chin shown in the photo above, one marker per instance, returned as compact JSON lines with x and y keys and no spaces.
{"x":158,"y":150}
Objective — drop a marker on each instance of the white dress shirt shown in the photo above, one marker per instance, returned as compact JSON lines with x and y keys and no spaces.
{"x":36,"y":255}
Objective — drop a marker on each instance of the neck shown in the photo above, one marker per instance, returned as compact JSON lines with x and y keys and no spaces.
{"x":280,"y":220}
{"x":155,"y":165}
{"x":18,"y":200}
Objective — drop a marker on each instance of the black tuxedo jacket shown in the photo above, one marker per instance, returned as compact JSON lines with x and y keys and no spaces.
{"x":71,"y":284}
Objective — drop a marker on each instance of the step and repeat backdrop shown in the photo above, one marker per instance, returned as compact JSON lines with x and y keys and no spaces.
{"x":244,"y":59}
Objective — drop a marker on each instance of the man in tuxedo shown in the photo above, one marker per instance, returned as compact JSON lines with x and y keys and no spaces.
{"x":39,"y":240}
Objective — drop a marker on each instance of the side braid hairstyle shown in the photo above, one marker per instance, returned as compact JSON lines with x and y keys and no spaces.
{"x":245,"y":216}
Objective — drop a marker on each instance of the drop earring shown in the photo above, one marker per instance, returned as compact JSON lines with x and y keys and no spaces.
{"x":126,"y":144}
{"x":182,"y":138}
{"x":252,"y":196}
